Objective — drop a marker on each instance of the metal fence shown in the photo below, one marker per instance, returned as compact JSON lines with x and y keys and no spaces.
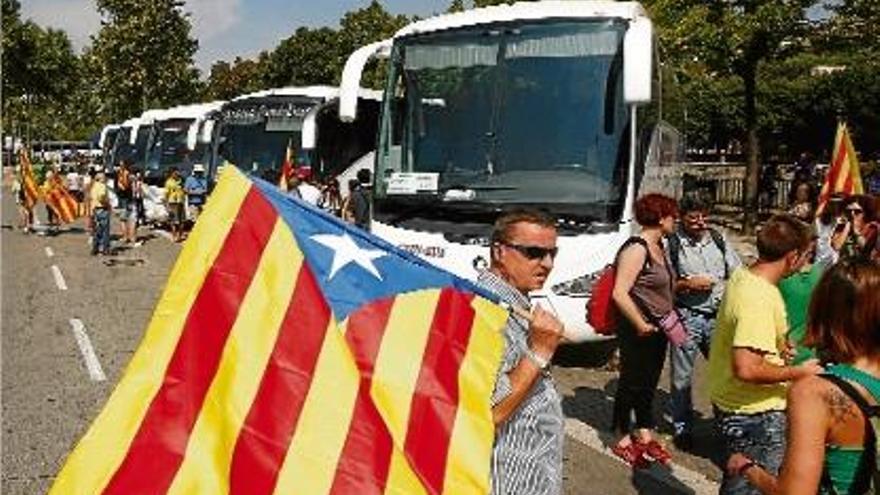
{"x":725,"y":184}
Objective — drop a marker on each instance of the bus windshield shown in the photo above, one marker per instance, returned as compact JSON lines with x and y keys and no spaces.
{"x":529,"y":112}
{"x":169,"y":148}
{"x":254,"y":149}
{"x":255,"y":134}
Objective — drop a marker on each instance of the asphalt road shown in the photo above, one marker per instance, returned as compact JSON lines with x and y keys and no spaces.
{"x":52,"y":390}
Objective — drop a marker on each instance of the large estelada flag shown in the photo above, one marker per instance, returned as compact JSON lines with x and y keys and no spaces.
{"x":291,"y":353}
{"x":843,"y":173}
{"x":28,"y":181}
{"x":57,"y":197}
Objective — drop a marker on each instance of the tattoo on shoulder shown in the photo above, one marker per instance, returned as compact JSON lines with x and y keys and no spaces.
{"x":840,"y":406}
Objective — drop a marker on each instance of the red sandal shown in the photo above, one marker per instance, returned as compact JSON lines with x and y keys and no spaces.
{"x":632,"y":454}
{"x":657,"y":452}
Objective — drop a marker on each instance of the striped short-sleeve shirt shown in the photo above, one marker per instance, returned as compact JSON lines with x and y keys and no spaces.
{"x":527,"y":455}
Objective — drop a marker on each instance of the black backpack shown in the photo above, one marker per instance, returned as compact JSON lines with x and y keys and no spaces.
{"x":674,"y":243}
{"x":867,"y":480}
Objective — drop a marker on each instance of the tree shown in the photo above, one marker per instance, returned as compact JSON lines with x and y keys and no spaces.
{"x":368,"y":25}
{"x":243,"y":76}
{"x":732,"y":39}
{"x":317,"y":56}
{"x":310,"y":56}
{"x":144,"y":57}
{"x":455,"y":6}
{"x":40,"y":72}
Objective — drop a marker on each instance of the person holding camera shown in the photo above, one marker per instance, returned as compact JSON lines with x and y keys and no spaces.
{"x":859,"y":223}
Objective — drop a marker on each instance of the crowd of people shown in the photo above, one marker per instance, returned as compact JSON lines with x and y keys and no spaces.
{"x":182,"y":199}
{"x":792,"y":342}
{"x":353,"y":208}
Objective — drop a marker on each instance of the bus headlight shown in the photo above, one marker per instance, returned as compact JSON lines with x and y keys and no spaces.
{"x":577,"y":287}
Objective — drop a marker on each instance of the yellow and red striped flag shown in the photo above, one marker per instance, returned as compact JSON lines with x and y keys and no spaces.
{"x":292,"y":353}
{"x":286,"y":167}
{"x":843,"y":174}
{"x":57,"y":197}
{"x":28,"y":181}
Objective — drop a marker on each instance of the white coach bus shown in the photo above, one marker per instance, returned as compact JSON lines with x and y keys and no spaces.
{"x":254,"y":131}
{"x":181,"y":137}
{"x":550,"y":104}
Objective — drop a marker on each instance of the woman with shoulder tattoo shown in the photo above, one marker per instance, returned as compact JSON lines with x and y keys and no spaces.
{"x":827,"y":449}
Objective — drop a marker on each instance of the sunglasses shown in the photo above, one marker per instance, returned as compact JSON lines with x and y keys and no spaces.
{"x":855,"y":211}
{"x":533,"y":252}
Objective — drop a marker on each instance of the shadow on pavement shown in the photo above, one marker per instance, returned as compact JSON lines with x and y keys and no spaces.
{"x":658,"y":479}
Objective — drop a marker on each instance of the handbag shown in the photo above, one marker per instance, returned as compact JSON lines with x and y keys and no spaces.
{"x":673,"y":327}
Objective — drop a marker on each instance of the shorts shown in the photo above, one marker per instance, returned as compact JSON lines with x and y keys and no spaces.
{"x":131,"y":212}
{"x":176,"y":213}
{"x":194,"y":212}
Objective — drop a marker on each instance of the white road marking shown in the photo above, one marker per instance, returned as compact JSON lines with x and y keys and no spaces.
{"x":88,"y":352}
{"x":587,"y":435}
{"x":49,"y":252}
{"x":59,"y":278}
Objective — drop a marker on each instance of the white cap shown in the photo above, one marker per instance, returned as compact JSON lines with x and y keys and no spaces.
{"x":198,"y":167}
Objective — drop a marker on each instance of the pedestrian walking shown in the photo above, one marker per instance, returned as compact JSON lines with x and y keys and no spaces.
{"x":703,"y":260}
{"x":831,"y":445}
{"x":100,"y":205}
{"x":347,"y":207}
{"x":643,"y":294}
{"x":174,"y":201}
{"x":360,"y":201}
{"x":196,"y":186}
{"x":308,"y":192}
{"x":138,"y":192}
{"x":802,"y":203}
{"x":526,"y":408}
{"x":73,"y":182}
{"x":748,"y":372}
{"x":797,"y":290}
{"x":123,"y":189}
{"x":88,"y":182}
{"x":25,"y":208}
{"x":331,"y":200}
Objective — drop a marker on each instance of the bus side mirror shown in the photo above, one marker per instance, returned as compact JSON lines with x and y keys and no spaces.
{"x":638,"y":51}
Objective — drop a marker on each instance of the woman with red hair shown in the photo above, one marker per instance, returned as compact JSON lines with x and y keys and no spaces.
{"x":644,"y":297}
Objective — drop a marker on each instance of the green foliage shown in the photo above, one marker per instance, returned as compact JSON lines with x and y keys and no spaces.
{"x":317,"y":56}
{"x":310,"y":56}
{"x":455,"y":6}
{"x":40,"y":75}
{"x":144,"y":57}
{"x":368,"y":25}
{"x":243,"y":76}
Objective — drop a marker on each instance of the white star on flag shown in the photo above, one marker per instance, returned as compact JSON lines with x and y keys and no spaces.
{"x":346,"y":251}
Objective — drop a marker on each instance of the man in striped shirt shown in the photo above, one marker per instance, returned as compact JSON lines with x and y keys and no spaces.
{"x":527,"y":410}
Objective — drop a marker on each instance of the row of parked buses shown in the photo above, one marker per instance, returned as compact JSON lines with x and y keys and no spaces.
{"x":551,"y":104}
{"x":254,"y":132}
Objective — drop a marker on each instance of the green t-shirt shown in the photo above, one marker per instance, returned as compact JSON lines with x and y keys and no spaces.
{"x":796,"y":290}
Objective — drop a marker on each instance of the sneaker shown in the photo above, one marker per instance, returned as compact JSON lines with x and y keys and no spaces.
{"x":138,"y":244}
